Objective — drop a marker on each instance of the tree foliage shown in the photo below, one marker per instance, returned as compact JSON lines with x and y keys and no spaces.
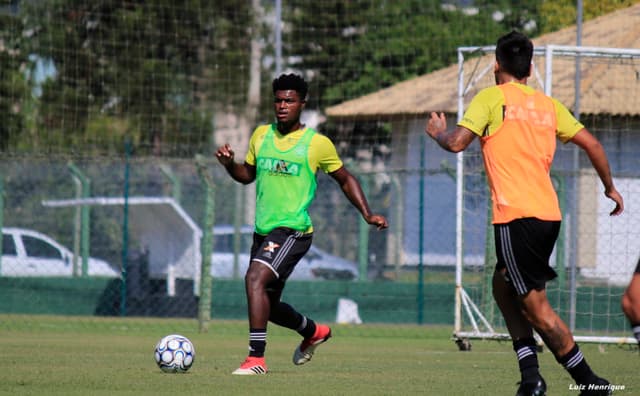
{"x":149,"y":70}
{"x":556,"y":14}
{"x":361,"y":46}
{"x":156,"y":72}
{"x":14,"y":81}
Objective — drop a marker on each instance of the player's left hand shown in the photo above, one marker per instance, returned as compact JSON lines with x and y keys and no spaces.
{"x":615,"y":196}
{"x":377,"y":220}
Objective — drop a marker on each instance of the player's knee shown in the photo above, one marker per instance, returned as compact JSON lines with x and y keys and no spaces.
{"x":541,"y":316}
{"x":543,"y":324}
{"x":252,"y":279}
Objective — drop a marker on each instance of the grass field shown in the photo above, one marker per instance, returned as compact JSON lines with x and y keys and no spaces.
{"x":97,"y":356}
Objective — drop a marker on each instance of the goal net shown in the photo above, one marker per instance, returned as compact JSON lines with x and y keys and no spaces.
{"x":595,"y":254}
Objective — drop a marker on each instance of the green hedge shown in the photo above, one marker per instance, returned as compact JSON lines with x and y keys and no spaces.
{"x":378,"y":302}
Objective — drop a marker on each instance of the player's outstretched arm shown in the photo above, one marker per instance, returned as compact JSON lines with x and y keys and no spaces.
{"x":242,"y":173}
{"x":587,"y":142}
{"x":455,"y":140}
{"x":352,"y":189}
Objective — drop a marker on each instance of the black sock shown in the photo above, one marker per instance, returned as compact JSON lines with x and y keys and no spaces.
{"x":307,"y":327}
{"x":285,"y":315}
{"x":575,"y":363}
{"x":525,"y":349}
{"x":257,"y":342}
{"x":636,"y":331}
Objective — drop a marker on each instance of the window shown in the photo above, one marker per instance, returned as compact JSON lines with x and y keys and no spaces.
{"x":223,"y":243}
{"x":8,"y":246}
{"x":38,"y":248}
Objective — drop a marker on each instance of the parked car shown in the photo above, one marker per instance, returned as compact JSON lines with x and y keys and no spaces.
{"x":317,"y":264}
{"x":30,"y":253}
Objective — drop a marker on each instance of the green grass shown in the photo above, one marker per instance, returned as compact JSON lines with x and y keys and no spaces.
{"x":98,"y":356}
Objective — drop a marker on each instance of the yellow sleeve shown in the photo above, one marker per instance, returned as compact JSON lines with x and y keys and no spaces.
{"x":323,"y":154}
{"x":257,"y":137}
{"x":484,"y":112}
{"x":568,"y":125}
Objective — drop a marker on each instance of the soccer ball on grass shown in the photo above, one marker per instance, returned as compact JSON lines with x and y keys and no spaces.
{"x":174,"y":354}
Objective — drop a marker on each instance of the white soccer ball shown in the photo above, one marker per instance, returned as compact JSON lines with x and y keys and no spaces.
{"x":175,"y":354}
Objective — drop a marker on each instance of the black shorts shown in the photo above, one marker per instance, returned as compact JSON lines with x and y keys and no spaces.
{"x":637,"y":271}
{"x":280,"y":250}
{"x":523,"y":247}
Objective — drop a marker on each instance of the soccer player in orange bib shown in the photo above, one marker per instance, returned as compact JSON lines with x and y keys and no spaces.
{"x":517,"y":127}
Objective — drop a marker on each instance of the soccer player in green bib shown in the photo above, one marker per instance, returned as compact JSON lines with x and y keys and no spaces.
{"x":282,"y":159}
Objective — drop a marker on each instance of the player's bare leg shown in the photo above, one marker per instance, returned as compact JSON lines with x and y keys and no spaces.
{"x":256,"y":280}
{"x":259,"y":305}
{"x":521,"y":332}
{"x":558,"y":337}
{"x":506,"y":298}
{"x":631,"y":304}
{"x":552,"y":329}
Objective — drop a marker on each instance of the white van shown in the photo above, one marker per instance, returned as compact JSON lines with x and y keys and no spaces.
{"x":30,"y":253}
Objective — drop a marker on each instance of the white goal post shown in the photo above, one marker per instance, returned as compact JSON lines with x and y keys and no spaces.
{"x":471,"y":320}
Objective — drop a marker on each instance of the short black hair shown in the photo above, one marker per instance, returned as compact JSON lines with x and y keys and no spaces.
{"x":514,"y":52}
{"x":293,"y":82}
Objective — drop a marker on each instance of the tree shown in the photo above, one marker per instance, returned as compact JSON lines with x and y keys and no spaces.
{"x":151,"y":70}
{"x":15,"y":82}
{"x":556,"y":14}
{"x":356,"y":47}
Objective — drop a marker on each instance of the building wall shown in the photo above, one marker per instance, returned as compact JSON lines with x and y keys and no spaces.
{"x":581,"y":199}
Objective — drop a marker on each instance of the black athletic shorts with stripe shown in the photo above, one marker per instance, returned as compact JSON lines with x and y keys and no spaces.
{"x":280,"y":250}
{"x":523,"y":247}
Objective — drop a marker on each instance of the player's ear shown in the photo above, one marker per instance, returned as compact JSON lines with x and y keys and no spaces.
{"x":496,"y":67}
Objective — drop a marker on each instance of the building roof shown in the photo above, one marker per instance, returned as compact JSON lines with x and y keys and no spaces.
{"x":608,"y":85}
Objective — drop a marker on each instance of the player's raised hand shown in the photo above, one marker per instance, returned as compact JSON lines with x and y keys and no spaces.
{"x":225,"y":154}
{"x":436,"y":124}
